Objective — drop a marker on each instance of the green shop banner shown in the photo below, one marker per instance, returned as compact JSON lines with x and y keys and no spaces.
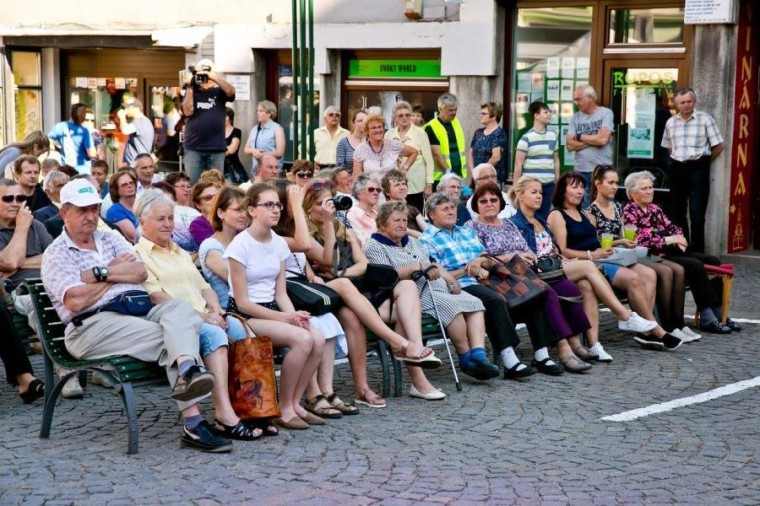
{"x":405,"y":69}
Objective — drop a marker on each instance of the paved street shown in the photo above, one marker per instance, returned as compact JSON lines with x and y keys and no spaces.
{"x":539,"y":441}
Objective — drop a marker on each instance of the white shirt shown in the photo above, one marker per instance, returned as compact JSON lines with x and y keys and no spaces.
{"x":262,"y":262}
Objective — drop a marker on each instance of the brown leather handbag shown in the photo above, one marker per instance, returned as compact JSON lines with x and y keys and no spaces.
{"x":251,"y":378}
{"x":515,"y":281}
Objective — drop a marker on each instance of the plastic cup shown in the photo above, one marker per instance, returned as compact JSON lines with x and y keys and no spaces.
{"x":607,"y":241}
{"x":629,"y":232}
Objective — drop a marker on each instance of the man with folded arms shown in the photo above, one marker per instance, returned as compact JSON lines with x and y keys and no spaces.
{"x":84,"y":271}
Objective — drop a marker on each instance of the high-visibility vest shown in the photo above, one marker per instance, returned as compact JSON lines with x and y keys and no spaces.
{"x":443,"y":138}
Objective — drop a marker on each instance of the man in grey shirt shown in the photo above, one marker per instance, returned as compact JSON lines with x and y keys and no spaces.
{"x":589,"y":135}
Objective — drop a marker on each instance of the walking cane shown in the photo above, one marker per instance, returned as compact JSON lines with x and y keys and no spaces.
{"x":424,"y":274}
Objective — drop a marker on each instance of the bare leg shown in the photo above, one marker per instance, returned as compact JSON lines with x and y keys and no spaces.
{"x":628,"y":280}
{"x":583,"y":269}
{"x":476,"y":328}
{"x":23,"y":381}
{"x":356,"y":338}
{"x":416,"y":374}
{"x":216,"y":362}
{"x":458,"y":332}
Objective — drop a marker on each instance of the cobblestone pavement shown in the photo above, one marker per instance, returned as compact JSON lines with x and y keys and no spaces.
{"x":505,"y":442}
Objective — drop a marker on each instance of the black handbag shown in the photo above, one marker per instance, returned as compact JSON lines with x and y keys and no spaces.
{"x":380,"y":277}
{"x":317,"y":299}
{"x":549,"y":268}
{"x":515,"y":281}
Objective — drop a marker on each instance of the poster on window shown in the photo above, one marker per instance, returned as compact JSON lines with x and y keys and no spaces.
{"x":640,"y":115}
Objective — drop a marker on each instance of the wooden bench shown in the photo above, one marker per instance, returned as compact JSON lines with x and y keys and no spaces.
{"x":124,"y":373}
{"x":430,"y":330}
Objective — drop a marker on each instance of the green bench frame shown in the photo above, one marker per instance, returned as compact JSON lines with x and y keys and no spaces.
{"x":124,"y":373}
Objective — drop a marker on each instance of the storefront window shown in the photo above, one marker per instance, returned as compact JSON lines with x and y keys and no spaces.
{"x":646,"y":26}
{"x":552,"y":56}
{"x":25,"y":66}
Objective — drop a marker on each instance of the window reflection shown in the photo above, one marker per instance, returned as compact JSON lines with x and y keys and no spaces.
{"x":646,"y":26}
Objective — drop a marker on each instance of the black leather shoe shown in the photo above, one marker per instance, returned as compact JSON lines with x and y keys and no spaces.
{"x":715,"y":327}
{"x":481,"y":370}
{"x":513,"y":373}
{"x":733,"y":325}
{"x":546,"y":368}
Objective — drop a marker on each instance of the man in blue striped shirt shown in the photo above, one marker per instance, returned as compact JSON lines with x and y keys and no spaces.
{"x":537,"y":154}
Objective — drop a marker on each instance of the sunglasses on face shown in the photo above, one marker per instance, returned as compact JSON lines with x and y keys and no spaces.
{"x":20,"y":199}
{"x":373,"y":190}
{"x":334,"y":115}
{"x":304,"y":175}
{"x":493,"y":200}
{"x":271,"y":205}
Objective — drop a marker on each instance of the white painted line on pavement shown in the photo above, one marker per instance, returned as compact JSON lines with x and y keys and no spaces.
{"x":627,"y":416}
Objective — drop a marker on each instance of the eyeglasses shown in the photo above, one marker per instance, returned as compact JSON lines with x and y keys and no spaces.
{"x":207,"y":198}
{"x":486,"y":178}
{"x":493,"y":200}
{"x":334,"y":115}
{"x":373,"y":189}
{"x":128,"y":183}
{"x":182,"y":186}
{"x":405,"y":115}
{"x":304,"y":175}
{"x":578,"y":99}
{"x":271,"y":206}
{"x":20,"y":199}
{"x":319,"y":186}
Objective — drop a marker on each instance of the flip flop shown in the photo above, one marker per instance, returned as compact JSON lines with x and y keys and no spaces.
{"x":429,"y":361}
{"x":366,"y":400}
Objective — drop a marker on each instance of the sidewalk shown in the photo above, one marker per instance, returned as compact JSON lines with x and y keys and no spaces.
{"x":503,"y":442}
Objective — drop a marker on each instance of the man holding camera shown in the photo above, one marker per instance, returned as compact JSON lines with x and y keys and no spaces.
{"x":203,"y":143}
{"x":138,"y":129}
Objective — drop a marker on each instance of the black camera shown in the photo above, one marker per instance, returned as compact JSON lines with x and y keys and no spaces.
{"x":199,"y":79}
{"x":342,"y":203}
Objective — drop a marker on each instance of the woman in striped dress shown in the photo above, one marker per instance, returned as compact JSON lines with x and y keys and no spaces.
{"x":461,"y":313}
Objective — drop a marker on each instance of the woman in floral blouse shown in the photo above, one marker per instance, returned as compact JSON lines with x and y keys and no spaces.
{"x":607,"y":216}
{"x":503,"y":240}
{"x":663,"y":237}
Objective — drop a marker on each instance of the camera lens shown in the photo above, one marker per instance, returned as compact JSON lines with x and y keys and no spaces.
{"x":342,"y":203}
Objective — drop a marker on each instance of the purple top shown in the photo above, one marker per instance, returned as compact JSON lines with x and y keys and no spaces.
{"x":500,"y":240}
{"x":201,"y":229}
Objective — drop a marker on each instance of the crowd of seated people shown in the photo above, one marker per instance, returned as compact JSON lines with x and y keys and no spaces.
{"x":210,"y":248}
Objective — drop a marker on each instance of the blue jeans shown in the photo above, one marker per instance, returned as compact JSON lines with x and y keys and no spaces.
{"x":586,"y":196}
{"x":196,"y":162}
{"x":213,"y":337}
{"x":547,"y":189}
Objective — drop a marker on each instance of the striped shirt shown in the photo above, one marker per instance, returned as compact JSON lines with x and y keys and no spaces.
{"x":539,"y":149}
{"x":691,"y":139}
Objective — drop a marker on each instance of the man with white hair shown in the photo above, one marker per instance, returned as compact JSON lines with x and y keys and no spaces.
{"x":204,"y":144}
{"x":589,"y":135}
{"x":326,"y":138}
{"x":483,"y":174}
{"x":447,"y":141}
{"x":51,"y":185}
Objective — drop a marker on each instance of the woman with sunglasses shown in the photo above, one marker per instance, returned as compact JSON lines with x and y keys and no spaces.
{"x":123,"y":191}
{"x":378,"y":155}
{"x":576,"y":237}
{"x":302,"y":172}
{"x":607,"y":217}
{"x":202,"y":196}
{"x":344,"y":154}
{"x":365,"y":306}
{"x":257,"y":259}
{"x":362,"y":216}
{"x":503,"y":240}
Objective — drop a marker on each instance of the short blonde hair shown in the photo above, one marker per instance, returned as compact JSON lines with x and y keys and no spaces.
{"x":373,"y":118}
{"x":269,"y":107}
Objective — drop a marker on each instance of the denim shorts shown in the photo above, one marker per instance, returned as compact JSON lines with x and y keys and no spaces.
{"x":610,"y":269}
{"x":212,"y":337}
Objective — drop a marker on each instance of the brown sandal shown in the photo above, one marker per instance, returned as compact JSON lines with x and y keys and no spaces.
{"x":312,"y":406}
{"x":337,"y":403}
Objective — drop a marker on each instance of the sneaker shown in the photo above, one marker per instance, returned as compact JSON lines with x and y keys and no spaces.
{"x":686,"y":330}
{"x":671,"y":342}
{"x":196,"y":382}
{"x":683,"y":336}
{"x":203,"y":438}
{"x":100,"y":380}
{"x":649,"y":342}
{"x":72,"y":389}
{"x":715,"y":327}
{"x":636,"y":324}
{"x":602,"y":355}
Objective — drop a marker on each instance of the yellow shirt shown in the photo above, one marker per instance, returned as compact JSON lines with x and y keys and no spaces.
{"x":422,"y":170}
{"x":172,"y":271}
{"x":326,"y":145}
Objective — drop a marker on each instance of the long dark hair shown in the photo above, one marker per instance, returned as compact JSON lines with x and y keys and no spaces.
{"x":600,"y":171}
{"x":565,"y":180}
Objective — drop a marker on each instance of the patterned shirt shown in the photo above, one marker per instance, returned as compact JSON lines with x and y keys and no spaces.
{"x":605,"y":225}
{"x":63,"y":263}
{"x":539,"y":149}
{"x":483,"y":145}
{"x":691,"y":139}
{"x":500,"y":239}
{"x":453,"y":249}
{"x":652,"y":226}
{"x":374,"y":163}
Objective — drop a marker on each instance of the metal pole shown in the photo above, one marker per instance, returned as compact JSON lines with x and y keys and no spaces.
{"x":312,"y":115}
{"x":302,"y":71}
{"x":294,"y":74}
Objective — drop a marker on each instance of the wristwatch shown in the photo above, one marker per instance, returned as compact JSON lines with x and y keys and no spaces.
{"x":100,"y":273}
{"x":578,"y":137}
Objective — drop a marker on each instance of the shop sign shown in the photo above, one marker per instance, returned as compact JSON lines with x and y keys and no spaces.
{"x":242,"y":85}
{"x":394,"y":69}
{"x":743,"y":152}
{"x":659,"y":78}
{"x":705,"y":12}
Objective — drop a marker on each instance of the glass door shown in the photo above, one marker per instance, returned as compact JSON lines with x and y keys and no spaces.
{"x":641,"y":94}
